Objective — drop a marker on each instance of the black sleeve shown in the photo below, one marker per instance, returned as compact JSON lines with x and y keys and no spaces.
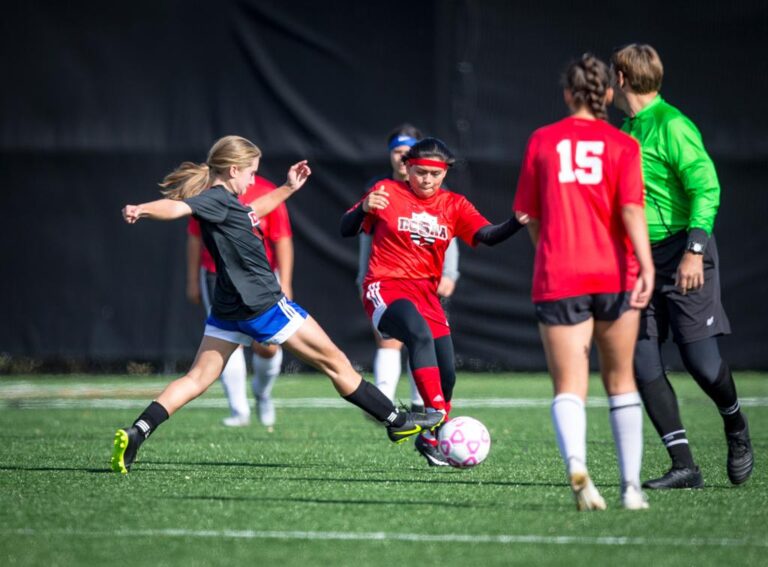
{"x":492,"y":234}
{"x":208,"y":206}
{"x":352,"y":221}
{"x":699,"y":236}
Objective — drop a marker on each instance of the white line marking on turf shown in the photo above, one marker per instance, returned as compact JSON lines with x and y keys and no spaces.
{"x":389,"y":536}
{"x":316,"y":403}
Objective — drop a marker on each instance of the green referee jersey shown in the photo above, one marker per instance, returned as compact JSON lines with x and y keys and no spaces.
{"x":681,"y":187}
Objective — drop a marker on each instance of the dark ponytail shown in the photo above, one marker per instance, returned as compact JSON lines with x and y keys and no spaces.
{"x":588,"y":80}
{"x":431,"y":148}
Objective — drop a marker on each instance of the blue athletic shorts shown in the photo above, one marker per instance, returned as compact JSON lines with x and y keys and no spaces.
{"x":273,"y":327}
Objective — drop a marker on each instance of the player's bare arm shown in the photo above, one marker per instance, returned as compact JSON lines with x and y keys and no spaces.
{"x":633,"y":217}
{"x":162,"y":209}
{"x":297,"y":176}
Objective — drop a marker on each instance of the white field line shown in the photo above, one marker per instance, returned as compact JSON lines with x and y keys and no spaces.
{"x":389,"y":536}
{"x":109,"y":403}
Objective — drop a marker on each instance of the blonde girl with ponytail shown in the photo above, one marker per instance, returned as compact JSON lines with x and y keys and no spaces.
{"x":248,"y":304}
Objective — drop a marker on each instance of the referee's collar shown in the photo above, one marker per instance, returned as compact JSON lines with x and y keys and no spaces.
{"x":656,"y":101}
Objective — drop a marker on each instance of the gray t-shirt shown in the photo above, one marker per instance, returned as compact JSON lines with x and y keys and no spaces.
{"x":245,"y":284}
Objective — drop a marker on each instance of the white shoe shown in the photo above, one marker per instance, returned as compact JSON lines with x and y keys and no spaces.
{"x":584,"y":491}
{"x":237,"y":421}
{"x":633,"y":498}
{"x":266,"y":410}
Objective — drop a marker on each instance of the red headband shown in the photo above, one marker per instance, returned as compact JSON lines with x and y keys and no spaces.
{"x":428,"y":162}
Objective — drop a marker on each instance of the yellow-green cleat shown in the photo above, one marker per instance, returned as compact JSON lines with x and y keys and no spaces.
{"x":124,"y":449}
{"x":414,"y":423}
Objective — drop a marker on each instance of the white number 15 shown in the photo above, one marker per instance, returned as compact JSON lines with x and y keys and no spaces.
{"x":589,"y":164}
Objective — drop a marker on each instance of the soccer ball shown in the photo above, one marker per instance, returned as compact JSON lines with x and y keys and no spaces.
{"x":464,"y":442}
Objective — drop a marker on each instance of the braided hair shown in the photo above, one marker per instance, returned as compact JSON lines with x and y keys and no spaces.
{"x":588,"y":80}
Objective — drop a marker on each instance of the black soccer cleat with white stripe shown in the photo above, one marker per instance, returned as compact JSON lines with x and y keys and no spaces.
{"x":431,"y":452}
{"x":124,"y":449}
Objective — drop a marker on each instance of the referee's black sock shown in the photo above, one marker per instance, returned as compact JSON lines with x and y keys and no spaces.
{"x":723,"y":392}
{"x":150,"y":419}
{"x":370,"y":399}
{"x":661,"y":405}
{"x":702,"y":359}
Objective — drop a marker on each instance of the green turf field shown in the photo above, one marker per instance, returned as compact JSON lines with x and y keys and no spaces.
{"x":327,"y":488}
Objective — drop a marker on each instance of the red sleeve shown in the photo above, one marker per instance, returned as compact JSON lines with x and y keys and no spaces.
{"x":193,"y":227}
{"x":279,"y":224}
{"x":527,"y":195}
{"x":630,"y":179}
{"x":468,"y":221}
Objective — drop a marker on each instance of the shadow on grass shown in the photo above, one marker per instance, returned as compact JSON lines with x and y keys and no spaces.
{"x":54,"y":469}
{"x":360,"y":502}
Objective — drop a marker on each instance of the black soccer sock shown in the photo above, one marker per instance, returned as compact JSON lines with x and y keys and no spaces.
{"x":370,"y":399}
{"x":723,"y":393}
{"x":150,"y":419}
{"x":661,"y":405}
{"x":702,"y":360}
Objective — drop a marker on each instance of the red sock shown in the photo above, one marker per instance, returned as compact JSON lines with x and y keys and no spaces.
{"x":428,"y":382}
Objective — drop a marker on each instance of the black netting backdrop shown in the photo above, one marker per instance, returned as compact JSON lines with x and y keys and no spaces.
{"x":99,"y":102}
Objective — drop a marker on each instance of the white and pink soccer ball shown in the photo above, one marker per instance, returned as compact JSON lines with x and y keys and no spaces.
{"x":464,"y":442}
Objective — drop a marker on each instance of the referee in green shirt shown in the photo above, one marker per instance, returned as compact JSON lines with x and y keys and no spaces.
{"x":682,"y":195}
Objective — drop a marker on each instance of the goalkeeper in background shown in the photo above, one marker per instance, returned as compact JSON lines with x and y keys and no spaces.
{"x":682,"y":199}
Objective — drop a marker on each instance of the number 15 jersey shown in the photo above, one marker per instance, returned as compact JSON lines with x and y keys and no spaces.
{"x":576,"y":176}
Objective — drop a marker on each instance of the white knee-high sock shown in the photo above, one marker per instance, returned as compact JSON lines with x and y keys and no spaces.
{"x":627,"y":426}
{"x":416,"y":399}
{"x":386,"y":370}
{"x":233,"y":379}
{"x":570,"y":421}
{"x":265,"y":373}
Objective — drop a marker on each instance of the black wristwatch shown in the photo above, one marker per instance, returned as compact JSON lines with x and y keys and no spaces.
{"x":695,"y":247}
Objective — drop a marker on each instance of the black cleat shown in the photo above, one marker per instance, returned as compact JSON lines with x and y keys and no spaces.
{"x":124,"y":449}
{"x":740,"y":459}
{"x":677,"y":478}
{"x":432,"y":453}
{"x":414,"y":423}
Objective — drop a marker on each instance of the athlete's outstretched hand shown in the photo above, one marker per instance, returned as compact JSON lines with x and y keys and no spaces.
{"x":378,"y":199}
{"x":298,"y":175}
{"x":131,"y":213}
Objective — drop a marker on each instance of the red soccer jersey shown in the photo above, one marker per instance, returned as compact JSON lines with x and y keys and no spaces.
{"x":410,"y":236}
{"x":273,"y":226}
{"x":576,"y":176}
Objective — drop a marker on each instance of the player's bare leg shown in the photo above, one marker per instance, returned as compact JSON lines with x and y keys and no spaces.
{"x":210,"y":360}
{"x":311,"y":344}
{"x":567,"y":351}
{"x":615,"y":342}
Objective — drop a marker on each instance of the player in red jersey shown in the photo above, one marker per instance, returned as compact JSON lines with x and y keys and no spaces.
{"x":582,"y":188}
{"x":412,"y":223}
{"x":275,"y":229}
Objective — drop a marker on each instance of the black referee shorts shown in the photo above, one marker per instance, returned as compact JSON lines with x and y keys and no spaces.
{"x":694,"y":316}
{"x":575,"y":310}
